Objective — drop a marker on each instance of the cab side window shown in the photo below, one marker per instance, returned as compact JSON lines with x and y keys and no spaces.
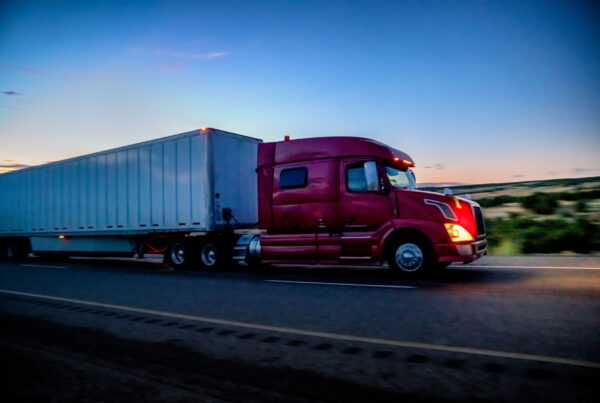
{"x":362,"y":177}
{"x":293,"y":178}
{"x":355,"y":178}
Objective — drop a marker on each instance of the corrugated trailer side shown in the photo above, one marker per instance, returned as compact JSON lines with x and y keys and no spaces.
{"x":176,"y":184}
{"x":156,"y":186}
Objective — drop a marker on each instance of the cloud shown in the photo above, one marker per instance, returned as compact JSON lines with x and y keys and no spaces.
{"x":21,"y":69}
{"x":8,"y":166}
{"x":215,"y":55}
{"x":192,"y":55}
{"x":171,"y":67}
{"x":12,"y":165}
{"x":552,"y":173}
{"x":10,"y":94}
{"x":435,"y":166}
{"x":177,"y":54}
{"x":175,"y":60}
{"x":584,"y":170}
{"x":517,"y":176}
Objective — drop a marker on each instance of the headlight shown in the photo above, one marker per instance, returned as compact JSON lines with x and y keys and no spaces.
{"x":458,"y":233}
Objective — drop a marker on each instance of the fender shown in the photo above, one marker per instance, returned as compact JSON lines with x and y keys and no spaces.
{"x":433,"y":230}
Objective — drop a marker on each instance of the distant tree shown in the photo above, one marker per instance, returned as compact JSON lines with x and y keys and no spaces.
{"x":581,"y":206}
{"x":540,"y":203}
{"x":497,"y":201}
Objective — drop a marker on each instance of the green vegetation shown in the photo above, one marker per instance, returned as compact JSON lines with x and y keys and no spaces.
{"x":526,"y":235}
{"x":497,"y":201}
{"x":540,"y":203}
{"x":581,"y":206}
{"x":561,"y":215}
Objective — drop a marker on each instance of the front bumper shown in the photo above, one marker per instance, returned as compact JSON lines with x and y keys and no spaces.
{"x":461,"y":252}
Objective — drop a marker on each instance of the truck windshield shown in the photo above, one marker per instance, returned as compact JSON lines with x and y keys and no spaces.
{"x":400,"y":179}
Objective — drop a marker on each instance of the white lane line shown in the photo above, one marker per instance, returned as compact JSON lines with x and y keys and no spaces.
{"x":527,"y":267}
{"x":43,"y":266}
{"x":344,"y":284}
{"x":327,"y":335}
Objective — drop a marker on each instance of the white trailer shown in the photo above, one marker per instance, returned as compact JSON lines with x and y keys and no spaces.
{"x":148,"y":197}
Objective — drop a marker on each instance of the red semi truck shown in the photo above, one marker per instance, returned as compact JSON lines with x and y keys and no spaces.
{"x":327,"y":200}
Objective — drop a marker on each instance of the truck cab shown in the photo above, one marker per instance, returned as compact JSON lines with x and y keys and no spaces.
{"x":350,"y":200}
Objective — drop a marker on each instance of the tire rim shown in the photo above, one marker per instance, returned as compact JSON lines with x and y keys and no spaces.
{"x":208,"y":254}
{"x":178,"y":254}
{"x":409,"y":257}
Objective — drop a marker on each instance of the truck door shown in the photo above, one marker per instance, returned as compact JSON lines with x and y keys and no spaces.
{"x":305,"y":201}
{"x":365,"y":207}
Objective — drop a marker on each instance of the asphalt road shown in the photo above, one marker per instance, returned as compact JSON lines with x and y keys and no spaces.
{"x":510,"y":328}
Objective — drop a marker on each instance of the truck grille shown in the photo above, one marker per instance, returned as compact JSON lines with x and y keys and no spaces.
{"x":479,"y":220}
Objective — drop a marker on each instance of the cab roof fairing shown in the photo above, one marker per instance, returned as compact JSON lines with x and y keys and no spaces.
{"x":282,"y":152}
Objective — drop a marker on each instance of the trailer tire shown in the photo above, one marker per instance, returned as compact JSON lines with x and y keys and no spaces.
{"x":410,"y":256}
{"x":16,"y":250}
{"x":178,"y":254}
{"x":211,"y":254}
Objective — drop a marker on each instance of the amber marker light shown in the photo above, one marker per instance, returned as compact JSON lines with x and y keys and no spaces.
{"x":405,"y":162}
{"x":457,"y":233}
{"x":204,"y":129}
{"x":61,"y":237}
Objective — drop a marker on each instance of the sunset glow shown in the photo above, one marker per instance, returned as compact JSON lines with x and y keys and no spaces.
{"x":472,"y":98}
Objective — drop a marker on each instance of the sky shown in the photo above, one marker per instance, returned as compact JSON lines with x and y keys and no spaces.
{"x":473,"y":91}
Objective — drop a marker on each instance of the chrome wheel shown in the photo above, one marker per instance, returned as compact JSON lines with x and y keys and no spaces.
{"x":178,"y":254}
{"x":409,"y":257}
{"x":208,"y":254}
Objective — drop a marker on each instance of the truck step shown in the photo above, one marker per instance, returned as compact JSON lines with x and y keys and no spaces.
{"x":239,"y":253}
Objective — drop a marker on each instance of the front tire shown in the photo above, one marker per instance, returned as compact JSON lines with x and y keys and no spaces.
{"x":409,"y":257}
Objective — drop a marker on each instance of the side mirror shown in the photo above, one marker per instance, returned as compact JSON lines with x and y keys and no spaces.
{"x":372,"y":176}
{"x":412,"y":179}
{"x":383,"y":187}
